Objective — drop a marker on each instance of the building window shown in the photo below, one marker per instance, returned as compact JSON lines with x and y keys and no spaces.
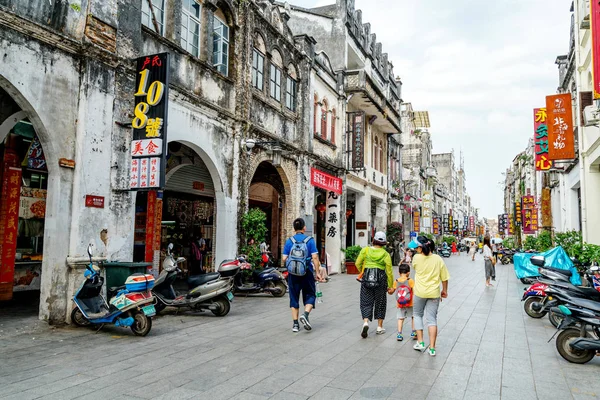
{"x":221,"y":46}
{"x":333,"y":122}
{"x":324,"y":111}
{"x":258,"y":69}
{"x":381,"y":163}
{"x":316,"y":110}
{"x":190,"y":27}
{"x":158,"y":9}
{"x":290,"y":94}
{"x":275,"y":83}
{"x":376,"y":155}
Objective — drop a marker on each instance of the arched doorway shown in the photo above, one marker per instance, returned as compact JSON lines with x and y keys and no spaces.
{"x":24,"y":182}
{"x":188,"y":209}
{"x":268,"y":193}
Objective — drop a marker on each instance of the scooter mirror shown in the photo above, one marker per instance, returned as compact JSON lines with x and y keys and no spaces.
{"x":180,"y":260}
{"x":89,"y":249}
{"x":170,"y":247}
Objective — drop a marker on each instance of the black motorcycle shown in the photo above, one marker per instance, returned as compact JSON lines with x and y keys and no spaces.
{"x":579,"y":338}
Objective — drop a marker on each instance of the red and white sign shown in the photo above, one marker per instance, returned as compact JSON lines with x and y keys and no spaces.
{"x":325,"y":181}
{"x":94,"y":201}
{"x":9,"y":213}
{"x":146,"y":147}
{"x":595,"y":36}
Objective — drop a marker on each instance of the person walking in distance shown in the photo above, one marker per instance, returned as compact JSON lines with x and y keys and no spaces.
{"x":375,"y":265}
{"x":472,"y":251}
{"x":454,"y":250}
{"x":488,"y":260}
{"x":430,"y":272}
{"x":403,"y":286}
{"x":298,"y":252}
{"x":495,"y":258}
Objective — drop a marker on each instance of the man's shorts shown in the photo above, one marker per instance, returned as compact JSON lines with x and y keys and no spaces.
{"x":302,"y":285}
{"x":402,"y":313}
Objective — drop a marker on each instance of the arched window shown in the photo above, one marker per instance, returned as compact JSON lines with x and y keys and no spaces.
{"x":333,"y":123}
{"x":316,"y":112}
{"x":291,"y":88}
{"x":258,"y":62}
{"x":221,"y":43}
{"x":324,"y":109}
{"x":275,"y":78}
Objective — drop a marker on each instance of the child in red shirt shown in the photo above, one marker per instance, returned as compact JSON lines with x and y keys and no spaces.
{"x":403,"y":287}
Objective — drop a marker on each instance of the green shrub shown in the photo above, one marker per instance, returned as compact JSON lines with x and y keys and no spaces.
{"x":543,"y":241}
{"x":571,"y":242}
{"x":530,"y":243}
{"x":352,"y":253}
{"x":254,"y":226}
{"x":509,"y":242}
{"x":449,"y":239}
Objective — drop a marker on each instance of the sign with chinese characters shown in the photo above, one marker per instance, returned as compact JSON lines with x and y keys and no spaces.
{"x":450,"y":223}
{"x":416,"y":221}
{"x":595,"y":37}
{"x":149,"y":145}
{"x":436,"y":226}
{"x":511,"y":225}
{"x":356,"y":139}
{"x":427,"y":206}
{"x":445,"y":223}
{"x":560,"y":127}
{"x":546,"y":208}
{"x":9,"y":224}
{"x":465,"y":223}
{"x":332,"y":215}
{"x":517,"y":214}
{"x":94,"y":201}
{"x":472,"y":223}
{"x":540,"y":139}
{"x":325,"y":181}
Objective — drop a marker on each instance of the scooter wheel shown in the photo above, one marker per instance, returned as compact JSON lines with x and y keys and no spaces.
{"x":529,"y":309}
{"x":78,"y":319}
{"x":555,"y":318}
{"x":505,"y":261}
{"x":223,"y":306}
{"x":563,"y":345}
{"x":281,"y":289}
{"x":141,"y":324}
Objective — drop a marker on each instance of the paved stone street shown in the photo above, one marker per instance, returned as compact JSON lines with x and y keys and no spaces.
{"x":488,"y":348}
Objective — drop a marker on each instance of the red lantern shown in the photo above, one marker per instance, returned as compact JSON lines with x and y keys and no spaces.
{"x":348,"y":213}
{"x":321,"y":209}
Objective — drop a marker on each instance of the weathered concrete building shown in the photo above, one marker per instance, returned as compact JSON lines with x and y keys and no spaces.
{"x":372,"y":111}
{"x":67,"y":85}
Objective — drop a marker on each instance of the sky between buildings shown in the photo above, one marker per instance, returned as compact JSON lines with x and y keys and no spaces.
{"x":480,"y":68}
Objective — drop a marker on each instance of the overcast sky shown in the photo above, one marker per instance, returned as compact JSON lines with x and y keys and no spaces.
{"x":479,"y":67}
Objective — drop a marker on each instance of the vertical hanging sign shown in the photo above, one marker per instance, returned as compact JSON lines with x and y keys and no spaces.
{"x":540,"y":139}
{"x":561,"y":141}
{"x":436,"y":226}
{"x":356,"y":142}
{"x":416,"y":221}
{"x":149,"y":145}
{"x":9,"y":217}
{"x":595,"y":37}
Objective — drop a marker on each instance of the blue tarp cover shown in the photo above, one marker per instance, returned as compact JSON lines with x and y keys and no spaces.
{"x":555,"y":258}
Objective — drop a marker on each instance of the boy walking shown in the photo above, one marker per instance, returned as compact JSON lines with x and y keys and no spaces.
{"x":403,"y":286}
{"x":298,"y":252}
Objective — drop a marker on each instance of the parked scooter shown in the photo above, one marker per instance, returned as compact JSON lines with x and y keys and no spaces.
{"x":444,"y":251}
{"x":268,"y":280}
{"x":506,"y":256}
{"x":131,"y":307}
{"x":206,"y":292}
{"x":580,"y":322}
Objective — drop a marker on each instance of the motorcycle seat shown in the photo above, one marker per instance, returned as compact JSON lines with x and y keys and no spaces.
{"x":585,"y":303}
{"x":565,"y":272}
{"x":197,"y":280}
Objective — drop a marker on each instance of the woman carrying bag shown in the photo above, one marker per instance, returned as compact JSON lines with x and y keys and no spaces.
{"x":375,"y":265}
{"x":489,"y":260}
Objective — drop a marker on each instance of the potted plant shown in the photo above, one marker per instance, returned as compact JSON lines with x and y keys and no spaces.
{"x":352,"y":253}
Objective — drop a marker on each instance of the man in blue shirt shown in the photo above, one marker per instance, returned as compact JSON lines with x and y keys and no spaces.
{"x":305,"y":284}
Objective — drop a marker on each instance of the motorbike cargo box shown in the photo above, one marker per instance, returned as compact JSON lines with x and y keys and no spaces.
{"x":139,"y":282}
{"x":229,"y":268}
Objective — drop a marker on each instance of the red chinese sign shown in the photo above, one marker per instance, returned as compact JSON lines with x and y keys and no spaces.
{"x":416,"y":221}
{"x":472,"y":223}
{"x":540,"y":139}
{"x":511,"y":225}
{"x":561,"y":141}
{"x":150,"y":226}
{"x":9,"y":215}
{"x":529,"y":209}
{"x":436,"y":226}
{"x":595,"y":36}
{"x":325,"y":181}
{"x":94,"y":201}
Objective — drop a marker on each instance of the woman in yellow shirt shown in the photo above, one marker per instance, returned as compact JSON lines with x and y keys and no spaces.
{"x":430,"y":272}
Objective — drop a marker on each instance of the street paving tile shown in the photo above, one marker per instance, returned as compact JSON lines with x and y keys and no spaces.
{"x":488,"y":348}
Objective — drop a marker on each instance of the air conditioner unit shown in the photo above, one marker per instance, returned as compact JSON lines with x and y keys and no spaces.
{"x":590,"y":116}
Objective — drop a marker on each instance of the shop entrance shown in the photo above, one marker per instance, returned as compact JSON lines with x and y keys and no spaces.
{"x":23,"y":193}
{"x":188,"y":211}
{"x":267,"y":193}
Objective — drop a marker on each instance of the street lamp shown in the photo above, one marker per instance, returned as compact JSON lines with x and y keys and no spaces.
{"x":275,"y":149}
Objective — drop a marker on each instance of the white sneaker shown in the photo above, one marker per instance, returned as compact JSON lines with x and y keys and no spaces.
{"x":420,"y":346}
{"x":380,"y":331}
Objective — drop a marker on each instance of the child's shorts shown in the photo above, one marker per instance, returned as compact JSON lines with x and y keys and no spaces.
{"x":402,"y":313}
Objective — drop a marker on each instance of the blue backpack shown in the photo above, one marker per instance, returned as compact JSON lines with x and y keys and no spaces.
{"x":296,"y":261}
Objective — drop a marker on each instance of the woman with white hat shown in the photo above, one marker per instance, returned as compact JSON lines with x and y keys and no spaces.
{"x":375,"y":266}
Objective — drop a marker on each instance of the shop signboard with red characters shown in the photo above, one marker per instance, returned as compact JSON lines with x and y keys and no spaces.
{"x":436,"y":226}
{"x":540,"y":139}
{"x":325,"y":181}
{"x":149,"y":145}
{"x":9,"y":224}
